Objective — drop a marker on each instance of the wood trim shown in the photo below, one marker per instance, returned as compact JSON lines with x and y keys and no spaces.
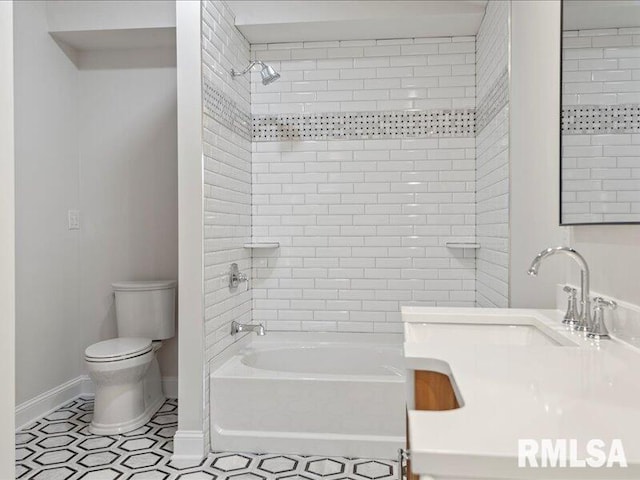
{"x":433,"y":391}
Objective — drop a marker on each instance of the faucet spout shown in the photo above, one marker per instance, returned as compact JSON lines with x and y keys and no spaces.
{"x":243,"y":327}
{"x":585,"y":301}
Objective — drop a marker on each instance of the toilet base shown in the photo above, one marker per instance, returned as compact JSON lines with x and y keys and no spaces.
{"x":126,"y":397}
{"x":124,"y":427}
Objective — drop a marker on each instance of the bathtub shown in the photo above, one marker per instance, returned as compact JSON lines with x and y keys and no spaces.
{"x":311,"y":394}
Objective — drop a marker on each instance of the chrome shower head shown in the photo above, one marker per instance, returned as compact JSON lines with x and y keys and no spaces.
{"x":267,"y":72}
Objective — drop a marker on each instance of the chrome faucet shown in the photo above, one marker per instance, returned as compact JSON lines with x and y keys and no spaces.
{"x":584,"y":315}
{"x":243,"y":327}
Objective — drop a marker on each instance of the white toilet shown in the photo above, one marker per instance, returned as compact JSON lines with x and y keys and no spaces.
{"x":125,"y":370}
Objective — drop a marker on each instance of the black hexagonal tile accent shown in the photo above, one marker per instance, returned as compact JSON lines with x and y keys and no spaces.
{"x":142,"y":460}
{"x":23,"y":438}
{"x":295,"y":476}
{"x":167,"y":419}
{"x":167,"y":446}
{"x":278,"y":464}
{"x":22,"y":453}
{"x":373,"y":470}
{"x":56,"y":441}
{"x":231,"y":463}
{"x":110,"y":473}
{"x":58,"y":427}
{"x":137,"y":444}
{"x":60,"y":415}
{"x":187,"y":467}
{"x":96,"y":443}
{"x":201,"y":475}
{"x":168,"y":407}
{"x":325,"y":467}
{"x":156,"y":474}
{"x":54,"y":457}
{"x":97,"y":459}
{"x":139,"y":432}
{"x":246,"y":476}
{"x":59,"y":473}
{"x":86,"y":406}
{"x":22,"y":470}
{"x":166,"y":432}
{"x":85,"y":417}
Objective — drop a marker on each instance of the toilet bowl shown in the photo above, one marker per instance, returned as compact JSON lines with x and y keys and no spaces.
{"x":127,"y":382}
{"x":125,"y":370}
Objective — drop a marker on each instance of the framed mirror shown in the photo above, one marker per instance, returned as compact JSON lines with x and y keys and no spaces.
{"x":600,"y":112}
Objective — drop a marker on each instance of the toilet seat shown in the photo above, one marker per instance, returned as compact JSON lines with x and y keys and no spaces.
{"x":118,"y":349}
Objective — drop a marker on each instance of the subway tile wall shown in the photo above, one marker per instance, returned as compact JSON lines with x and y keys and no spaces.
{"x":227,"y":178}
{"x":363,"y":222}
{"x":492,"y":143}
{"x":601,"y":125}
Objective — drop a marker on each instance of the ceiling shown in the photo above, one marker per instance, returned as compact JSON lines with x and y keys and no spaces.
{"x":264,"y":21}
{"x":588,"y":14}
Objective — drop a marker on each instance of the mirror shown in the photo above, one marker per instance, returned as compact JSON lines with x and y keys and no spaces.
{"x":600,"y":112}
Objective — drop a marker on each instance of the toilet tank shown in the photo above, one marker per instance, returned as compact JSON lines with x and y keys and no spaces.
{"x":146,"y":309}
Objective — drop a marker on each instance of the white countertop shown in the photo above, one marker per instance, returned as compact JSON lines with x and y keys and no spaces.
{"x":582,"y":392}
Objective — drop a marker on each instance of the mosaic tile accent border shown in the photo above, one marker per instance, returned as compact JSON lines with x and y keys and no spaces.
{"x":600,"y":119}
{"x":364,"y":125}
{"x":59,"y":447}
{"x":223,"y":109}
{"x":493,"y":101}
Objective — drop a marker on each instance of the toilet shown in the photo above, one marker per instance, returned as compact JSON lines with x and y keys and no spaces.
{"x":125,"y":370}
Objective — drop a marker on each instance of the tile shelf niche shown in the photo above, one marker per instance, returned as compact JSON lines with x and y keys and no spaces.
{"x":462,"y":245}
{"x":263,"y":245}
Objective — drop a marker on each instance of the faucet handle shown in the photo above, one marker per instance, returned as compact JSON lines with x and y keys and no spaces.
{"x":598,"y":330}
{"x":601,"y":303}
{"x":571,"y":317}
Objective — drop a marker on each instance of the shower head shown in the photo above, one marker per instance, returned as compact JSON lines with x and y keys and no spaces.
{"x":267,"y":72}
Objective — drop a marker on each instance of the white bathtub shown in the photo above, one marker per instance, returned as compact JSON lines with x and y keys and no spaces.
{"x":312,"y":394}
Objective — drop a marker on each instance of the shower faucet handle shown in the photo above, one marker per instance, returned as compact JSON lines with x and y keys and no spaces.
{"x":235,"y":276}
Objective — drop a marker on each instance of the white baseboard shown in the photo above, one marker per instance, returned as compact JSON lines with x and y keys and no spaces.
{"x":82,"y":386}
{"x":170,"y":387}
{"x":49,"y":401}
{"x":188,"y":448}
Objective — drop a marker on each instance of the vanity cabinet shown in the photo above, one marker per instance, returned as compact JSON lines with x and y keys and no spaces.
{"x":429,"y":390}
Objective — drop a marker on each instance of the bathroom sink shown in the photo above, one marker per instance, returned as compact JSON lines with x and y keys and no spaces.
{"x":506,"y":334}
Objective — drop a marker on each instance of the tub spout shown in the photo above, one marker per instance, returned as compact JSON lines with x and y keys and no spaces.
{"x":243,"y":327}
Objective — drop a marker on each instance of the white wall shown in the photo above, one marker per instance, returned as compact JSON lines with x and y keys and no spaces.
{"x":48,"y":327}
{"x":102,"y":141}
{"x":534,"y":151}
{"x":7,"y":243}
{"x":189,"y":442}
{"x":128,"y":191}
{"x":614,"y":259}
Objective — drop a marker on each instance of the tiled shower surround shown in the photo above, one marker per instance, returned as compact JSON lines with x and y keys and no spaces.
{"x":227,"y":178}
{"x":601,"y":125}
{"x":492,"y":144}
{"x":362,"y":193}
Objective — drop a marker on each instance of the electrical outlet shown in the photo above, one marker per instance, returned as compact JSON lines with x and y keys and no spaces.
{"x":74,"y":219}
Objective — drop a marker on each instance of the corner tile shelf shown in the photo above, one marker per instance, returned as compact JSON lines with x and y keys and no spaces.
{"x":262,"y":245}
{"x":462,"y":245}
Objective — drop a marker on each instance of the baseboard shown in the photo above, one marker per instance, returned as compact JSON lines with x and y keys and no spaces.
{"x":170,"y":387}
{"x":51,"y":400}
{"x":188,"y":448}
{"x":81,"y":386}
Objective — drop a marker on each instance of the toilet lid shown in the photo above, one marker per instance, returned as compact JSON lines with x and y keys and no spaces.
{"x":117,"y":348}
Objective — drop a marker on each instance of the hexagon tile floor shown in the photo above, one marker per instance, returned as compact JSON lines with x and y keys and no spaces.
{"x":60,"y":447}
